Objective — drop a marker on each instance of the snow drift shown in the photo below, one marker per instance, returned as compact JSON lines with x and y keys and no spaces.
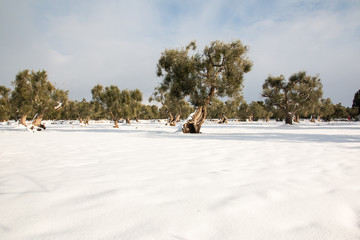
{"x":147,"y":181}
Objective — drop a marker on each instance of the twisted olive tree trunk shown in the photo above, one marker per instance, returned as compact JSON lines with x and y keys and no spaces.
{"x":170,"y":119}
{"x":116,"y":125}
{"x":23,"y":120}
{"x":224,"y":119}
{"x":115,"y":119}
{"x":197,"y":119}
{"x":37,"y":121}
{"x":297,"y":118}
{"x":194,"y":124}
{"x":175,"y":120}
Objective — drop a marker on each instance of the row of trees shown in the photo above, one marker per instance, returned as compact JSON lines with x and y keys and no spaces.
{"x":208,"y":83}
{"x":35,"y":98}
{"x":111,"y":103}
{"x":257,"y":110}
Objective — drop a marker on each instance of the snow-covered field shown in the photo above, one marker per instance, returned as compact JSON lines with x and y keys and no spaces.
{"x":148,"y":181}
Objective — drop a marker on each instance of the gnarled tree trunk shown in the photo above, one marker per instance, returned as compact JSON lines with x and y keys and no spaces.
{"x":297,"y":118}
{"x":116,"y":125}
{"x":23,"y":120}
{"x":84,"y":122}
{"x":170,"y":119}
{"x":37,"y":121}
{"x":312,"y":119}
{"x":223,"y":119}
{"x":193,"y":125}
{"x":197,"y":119}
{"x":176,"y":119}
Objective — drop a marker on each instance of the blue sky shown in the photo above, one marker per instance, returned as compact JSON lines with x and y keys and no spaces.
{"x":82,"y":43}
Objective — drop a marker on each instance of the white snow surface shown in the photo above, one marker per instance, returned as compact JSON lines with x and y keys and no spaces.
{"x":147,"y":181}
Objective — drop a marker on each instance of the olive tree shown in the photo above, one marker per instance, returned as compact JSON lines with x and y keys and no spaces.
{"x":5,"y":107}
{"x":326,"y":109}
{"x":301,"y":92}
{"x":110,"y":98}
{"x":339,"y":111}
{"x":118,"y":104}
{"x":174,"y":107}
{"x":70,"y":111}
{"x":34,"y":94}
{"x":85,"y":110}
{"x":148,"y":112}
{"x":216,"y":109}
{"x":60,"y":97}
{"x":131,"y":101}
{"x":243,"y":112}
{"x":232,"y":106}
{"x":257,"y":111}
{"x":218,"y":70}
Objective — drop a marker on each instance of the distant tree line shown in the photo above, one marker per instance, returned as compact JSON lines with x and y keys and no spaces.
{"x":207,"y":84}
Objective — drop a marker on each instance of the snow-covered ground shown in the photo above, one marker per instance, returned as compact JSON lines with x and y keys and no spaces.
{"x":148,"y":181}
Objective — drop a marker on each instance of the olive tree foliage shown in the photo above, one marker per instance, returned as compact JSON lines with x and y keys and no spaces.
{"x":85,"y":111}
{"x":249,"y":112}
{"x":21,"y":97}
{"x":182,"y":108}
{"x":70,"y":111}
{"x":300,"y":93}
{"x":5,"y":107}
{"x":35,"y":94}
{"x":60,"y":98}
{"x":134,"y":108}
{"x":232,"y":105}
{"x":255,"y":111}
{"x":149,"y":112}
{"x":326,"y":109}
{"x":243,"y":112}
{"x":258,"y":111}
{"x":98,"y":111}
{"x":216,"y":109}
{"x":118,"y":104}
{"x":339,"y":111}
{"x":174,"y":107}
{"x":218,"y":70}
{"x":111,"y":99}
{"x":130,"y":103}
{"x":329,"y":111}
